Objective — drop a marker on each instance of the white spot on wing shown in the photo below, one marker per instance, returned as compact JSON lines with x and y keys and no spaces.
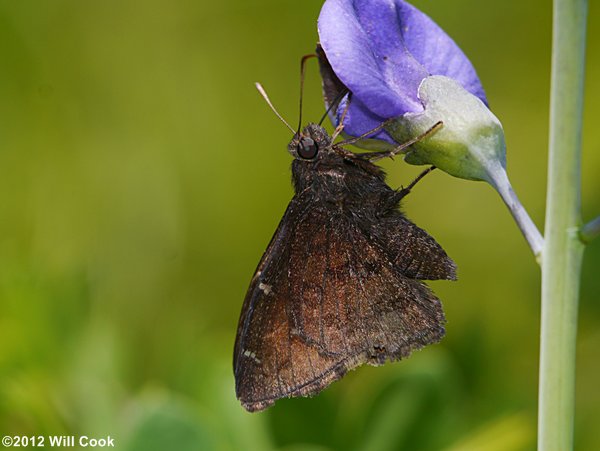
{"x":268,"y":289}
{"x":251,"y":355}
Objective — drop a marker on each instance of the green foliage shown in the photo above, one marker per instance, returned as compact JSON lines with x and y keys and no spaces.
{"x":141,"y":177}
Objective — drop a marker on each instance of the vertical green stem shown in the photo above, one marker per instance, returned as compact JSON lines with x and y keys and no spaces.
{"x":561,"y":258}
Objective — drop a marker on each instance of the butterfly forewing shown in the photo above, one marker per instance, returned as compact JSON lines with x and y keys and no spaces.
{"x":326,"y":298}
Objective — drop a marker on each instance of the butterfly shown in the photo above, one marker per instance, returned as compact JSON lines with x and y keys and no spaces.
{"x":340,"y":283}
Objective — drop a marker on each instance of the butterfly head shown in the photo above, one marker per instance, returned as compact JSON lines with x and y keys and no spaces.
{"x":311,"y":144}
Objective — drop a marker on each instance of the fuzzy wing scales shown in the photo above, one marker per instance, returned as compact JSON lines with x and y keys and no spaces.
{"x":325,"y":299}
{"x":412,"y":250}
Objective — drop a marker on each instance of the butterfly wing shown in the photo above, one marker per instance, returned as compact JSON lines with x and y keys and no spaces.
{"x":324,"y":300}
{"x":412,"y":250}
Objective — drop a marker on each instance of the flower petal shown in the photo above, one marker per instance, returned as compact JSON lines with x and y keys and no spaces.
{"x":364,"y":45}
{"x":381,"y":50}
{"x":359,"y":120}
{"x":435,"y":50}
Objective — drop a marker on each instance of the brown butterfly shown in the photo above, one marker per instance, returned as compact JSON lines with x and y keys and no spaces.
{"x":340,"y":282}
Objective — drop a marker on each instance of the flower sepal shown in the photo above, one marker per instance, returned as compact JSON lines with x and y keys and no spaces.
{"x":471,"y":143}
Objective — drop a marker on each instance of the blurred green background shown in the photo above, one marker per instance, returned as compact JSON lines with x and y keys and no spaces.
{"x":141,"y":178}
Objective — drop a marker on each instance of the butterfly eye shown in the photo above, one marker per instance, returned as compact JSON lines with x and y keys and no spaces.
{"x":307,"y":148}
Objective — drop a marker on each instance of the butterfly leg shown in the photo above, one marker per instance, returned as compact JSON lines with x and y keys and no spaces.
{"x":392,"y":201}
{"x":366,"y":135}
{"x":374,"y":156}
{"x":404,"y":191}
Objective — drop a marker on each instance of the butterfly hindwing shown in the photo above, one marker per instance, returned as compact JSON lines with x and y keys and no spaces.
{"x":412,"y":250}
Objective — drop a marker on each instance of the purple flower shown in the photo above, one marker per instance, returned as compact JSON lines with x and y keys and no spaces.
{"x":403,"y":70}
{"x":382,"y":50}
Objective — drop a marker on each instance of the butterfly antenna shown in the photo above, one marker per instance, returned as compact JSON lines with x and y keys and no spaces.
{"x":302,"y":70}
{"x":335,"y":102}
{"x":263,"y":93}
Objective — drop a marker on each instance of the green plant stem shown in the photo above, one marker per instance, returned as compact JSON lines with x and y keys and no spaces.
{"x":591,"y":230}
{"x":563,"y":249}
{"x":499,"y":180}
